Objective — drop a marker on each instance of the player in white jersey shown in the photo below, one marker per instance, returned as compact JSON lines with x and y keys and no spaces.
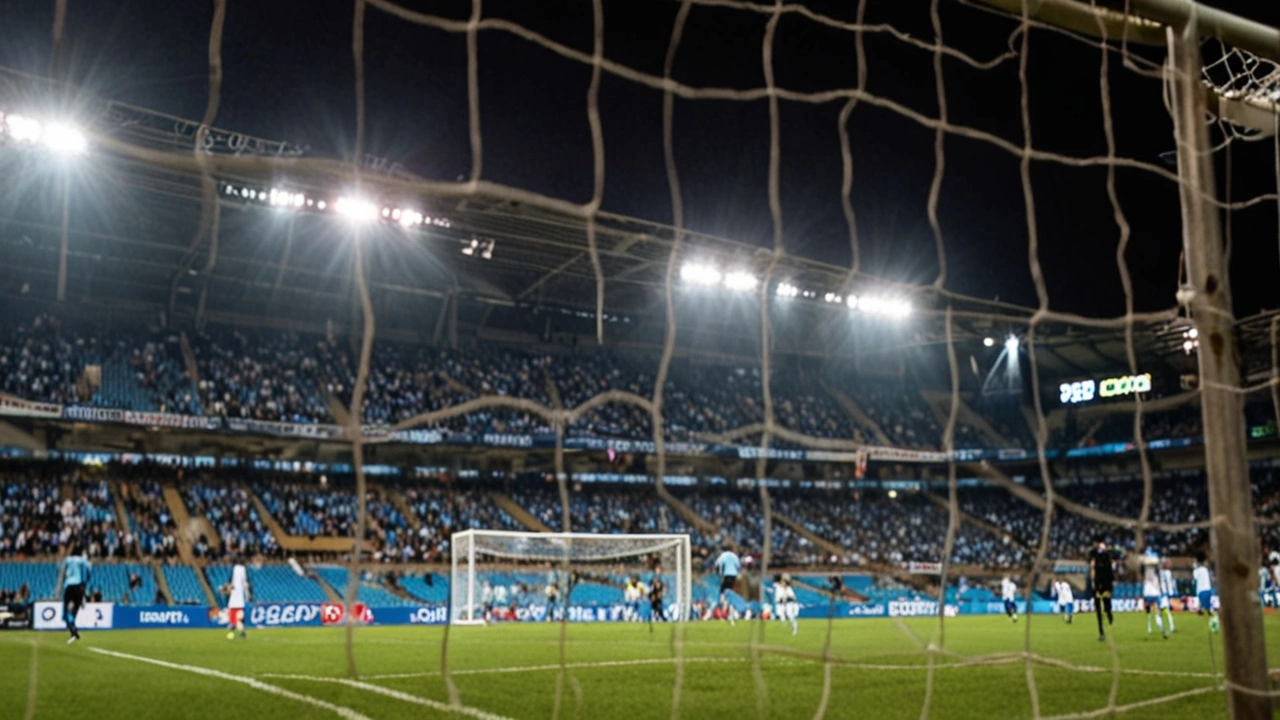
{"x":784,"y":602}
{"x":1151,"y":589}
{"x":1066,"y":600}
{"x":1009,"y":593}
{"x":1273,"y":574}
{"x":1168,"y":589}
{"x":1204,"y":591}
{"x":237,"y":598}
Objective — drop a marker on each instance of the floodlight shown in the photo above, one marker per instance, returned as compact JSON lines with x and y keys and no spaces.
{"x":893,"y":494}
{"x":1193,"y":333}
{"x":1011,"y":344}
{"x":787,"y":290}
{"x":852,"y":302}
{"x":740,"y":280}
{"x":23,"y":128}
{"x":696,"y":274}
{"x":885,"y":306}
{"x":832,"y":298}
{"x":356,"y":209}
{"x":988,"y":342}
{"x":64,"y":139}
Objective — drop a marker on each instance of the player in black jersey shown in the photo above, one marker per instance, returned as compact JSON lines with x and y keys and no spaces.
{"x":656,"y":609}
{"x":1102,"y":578}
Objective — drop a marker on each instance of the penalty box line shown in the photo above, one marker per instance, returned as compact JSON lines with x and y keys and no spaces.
{"x":344,"y":712}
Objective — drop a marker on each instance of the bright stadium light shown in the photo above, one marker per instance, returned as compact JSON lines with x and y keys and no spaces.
{"x":64,"y":139}
{"x":852,"y":302}
{"x":22,"y":128}
{"x":741,"y":281}
{"x":988,"y":342}
{"x":356,"y":209}
{"x":698,"y":274}
{"x":885,"y":306}
{"x":1011,"y":344}
{"x":832,"y":298}
{"x":787,"y":290}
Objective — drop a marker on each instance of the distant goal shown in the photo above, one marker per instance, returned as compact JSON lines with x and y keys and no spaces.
{"x":501,"y":574}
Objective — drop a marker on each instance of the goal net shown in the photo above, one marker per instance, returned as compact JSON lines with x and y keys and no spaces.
{"x":1050,"y":194}
{"x":508,"y":575}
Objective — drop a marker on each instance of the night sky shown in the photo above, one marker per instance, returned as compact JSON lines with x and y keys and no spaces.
{"x":289,"y":76}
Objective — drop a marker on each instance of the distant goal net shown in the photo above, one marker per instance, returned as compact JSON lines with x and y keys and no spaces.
{"x":505,"y":575}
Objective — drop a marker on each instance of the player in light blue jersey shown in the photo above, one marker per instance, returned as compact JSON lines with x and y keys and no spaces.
{"x":1168,"y":590}
{"x":727,"y":567}
{"x":75,"y":576}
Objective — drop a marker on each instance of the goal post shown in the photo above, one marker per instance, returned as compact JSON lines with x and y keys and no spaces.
{"x":482,"y":560}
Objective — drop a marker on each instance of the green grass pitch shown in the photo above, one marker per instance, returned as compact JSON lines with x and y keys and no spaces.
{"x":617,"y":671}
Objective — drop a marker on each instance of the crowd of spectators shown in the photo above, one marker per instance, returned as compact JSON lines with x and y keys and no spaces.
{"x":30,"y":522}
{"x":151,"y":522}
{"x":241,"y":533}
{"x":39,"y":361}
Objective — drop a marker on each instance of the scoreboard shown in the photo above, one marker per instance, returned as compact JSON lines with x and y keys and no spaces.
{"x":1083,"y":391}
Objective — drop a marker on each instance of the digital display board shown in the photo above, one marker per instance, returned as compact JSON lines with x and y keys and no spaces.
{"x":1083,"y":391}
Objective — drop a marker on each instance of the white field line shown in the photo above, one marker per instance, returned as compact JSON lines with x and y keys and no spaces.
{"x":33,"y":680}
{"x":476,"y":713}
{"x":343,"y":712}
{"x":522,"y":668}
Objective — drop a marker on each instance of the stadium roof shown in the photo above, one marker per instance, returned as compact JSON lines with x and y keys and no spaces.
{"x":142,"y":233}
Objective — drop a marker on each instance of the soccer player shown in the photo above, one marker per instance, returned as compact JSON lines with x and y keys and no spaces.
{"x":727,"y":567}
{"x":1102,"y":578}
{"x":1168,"y":589}
{"x":1273,"y":571}
{"x":236,"y":600}
{"x":631,"y":596}
{"x":1204,"y":591}
{"x":656,"y":610}
{"x":75,"y":576}
{"x":1151,"y":592}
{"x":1009,"y":594}
{"x":1066,"y":600}
{"x":784,"y":602}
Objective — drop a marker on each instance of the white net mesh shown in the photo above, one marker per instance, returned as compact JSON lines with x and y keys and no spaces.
{"x":1046,"y":518}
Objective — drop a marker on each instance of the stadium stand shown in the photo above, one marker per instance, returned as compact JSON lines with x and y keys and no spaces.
{"x":184,"y":585}
{"x":269,"y":583}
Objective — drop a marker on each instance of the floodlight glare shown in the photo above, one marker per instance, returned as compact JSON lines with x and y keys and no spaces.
{"x":1011,"y":344}
{"x":832,"y":298}
{"x":787,"y":290}
{"x":885,"y":306}
{"x":64,"y":139}
{"x":988,"y":342}
{"x":356,"y":209}
{"x":852,"y":302}
{"x":696,"y":274}
{"x":741,"y":281}
{"x":22,"y":128}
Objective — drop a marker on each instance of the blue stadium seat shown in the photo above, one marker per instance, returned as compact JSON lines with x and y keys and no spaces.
{"x":269,"y":583}
{"x":41,"y":578}
{"x":436,"y":592}
{"x":113,"y":582}
{"x":184,"y":585}
{"x":369,"y":593}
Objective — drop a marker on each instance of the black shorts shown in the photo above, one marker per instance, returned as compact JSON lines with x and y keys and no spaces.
{"x":727,"y":582}
{"x":72,"y":600}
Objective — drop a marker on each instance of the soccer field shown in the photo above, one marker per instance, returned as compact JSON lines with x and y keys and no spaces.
{"x":616,"y":671}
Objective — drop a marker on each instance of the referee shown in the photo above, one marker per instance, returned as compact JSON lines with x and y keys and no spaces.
{"x":1102,"y":576}
{"x":75,"y":573}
